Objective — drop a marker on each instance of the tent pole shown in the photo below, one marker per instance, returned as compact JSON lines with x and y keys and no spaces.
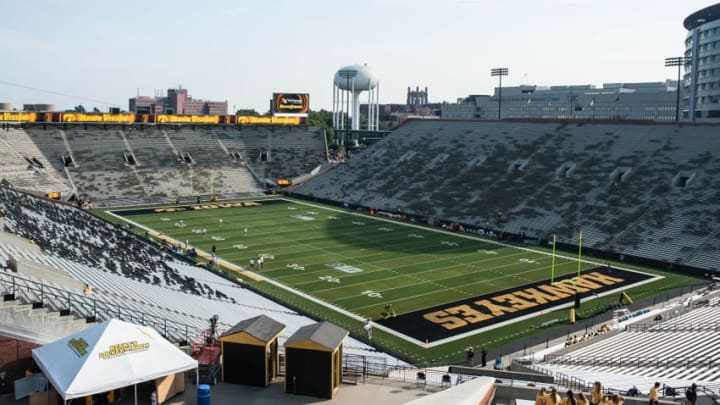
{"x":135,"y":394}
{"x":197,"y":376}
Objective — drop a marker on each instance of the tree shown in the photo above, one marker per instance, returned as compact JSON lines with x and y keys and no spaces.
{"x":247,"y":112}
{"x":96,"y":110}
{"x":79,"y":108}
{"x":323,"y":119}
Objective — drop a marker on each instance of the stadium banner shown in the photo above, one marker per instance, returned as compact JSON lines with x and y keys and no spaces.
{"x":255,"y":120}
{"x":228,"y":119}
{"x":96,"y":117}
{"x":18,"y":116}
{"x":187,"y":119}
{"x":291,"y":103}
{"x":447,"y":320}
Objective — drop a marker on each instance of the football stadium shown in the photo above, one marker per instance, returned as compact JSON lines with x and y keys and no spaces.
{"x":159,"y":257}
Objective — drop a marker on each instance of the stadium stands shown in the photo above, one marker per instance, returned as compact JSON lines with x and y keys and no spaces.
{"x":679,"y":351}
{"x":637,"y":189}
{"x":25,"y":167}
{"x":113,"y":163}
{"x":130,"y":279}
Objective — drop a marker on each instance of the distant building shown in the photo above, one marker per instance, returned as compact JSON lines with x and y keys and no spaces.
{"x":653,"y":101}
{"x":6,"y":107}
{"x":38,"y":107}
{"x":417,"y":97}
{"x":417,"y":107}
{"x":178,"y":102}
{"x":701,"y":81}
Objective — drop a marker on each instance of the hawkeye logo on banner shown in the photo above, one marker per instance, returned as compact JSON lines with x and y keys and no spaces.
{"x":458,"y":317}
{"x":122,"y":349}
{"x":79,"y":346}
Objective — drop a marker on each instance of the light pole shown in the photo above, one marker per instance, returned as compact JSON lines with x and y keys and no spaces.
{"x":500,"y":72}
{"x":671,"y":62}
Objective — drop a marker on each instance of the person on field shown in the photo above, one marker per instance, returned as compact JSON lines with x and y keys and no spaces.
{"x":368,"y":328}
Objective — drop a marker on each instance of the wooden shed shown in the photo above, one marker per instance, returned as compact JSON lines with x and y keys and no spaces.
{"x":250,"y":351}
{"x":313,"y":360}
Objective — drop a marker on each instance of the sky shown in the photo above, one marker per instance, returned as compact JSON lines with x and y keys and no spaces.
{"x":104,"y":52}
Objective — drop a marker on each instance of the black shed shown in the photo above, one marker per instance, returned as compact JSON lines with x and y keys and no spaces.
{"x":250,"y":351}
{"x":313,"y":360}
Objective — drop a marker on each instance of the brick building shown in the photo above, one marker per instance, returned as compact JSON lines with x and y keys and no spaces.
{"x":178,"y":102}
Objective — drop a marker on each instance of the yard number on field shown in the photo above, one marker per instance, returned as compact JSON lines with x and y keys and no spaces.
{"x":371,"y":294}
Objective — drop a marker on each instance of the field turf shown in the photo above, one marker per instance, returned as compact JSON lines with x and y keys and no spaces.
{"x":356,"y":262}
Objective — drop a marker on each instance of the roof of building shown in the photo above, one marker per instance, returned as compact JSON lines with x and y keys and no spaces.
{"x":261,"y":327}
{"x":324,"y":334}
{"x":702,"y":16}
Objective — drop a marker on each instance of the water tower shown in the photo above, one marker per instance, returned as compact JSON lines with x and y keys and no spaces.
{"x":348,"y":83}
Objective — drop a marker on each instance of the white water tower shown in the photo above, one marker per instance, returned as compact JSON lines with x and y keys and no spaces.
{"x":348,"y":83}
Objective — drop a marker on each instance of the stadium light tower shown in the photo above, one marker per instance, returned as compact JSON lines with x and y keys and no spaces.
{"x":672,"y":62}
{"x":500,"y":72}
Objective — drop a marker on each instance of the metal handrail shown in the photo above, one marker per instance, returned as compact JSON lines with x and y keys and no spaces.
{"x":38,"y":293}
{"x":635,"y":361}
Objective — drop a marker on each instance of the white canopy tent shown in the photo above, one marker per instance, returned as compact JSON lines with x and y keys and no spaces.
{"x":108,"y":356}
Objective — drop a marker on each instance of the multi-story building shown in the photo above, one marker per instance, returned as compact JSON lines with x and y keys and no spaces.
{"x":177,"y":101}
{"x":417,"y":106}
{"x":38,"y":107}
{"x":702,"y":71}
{"x":628,"y":101}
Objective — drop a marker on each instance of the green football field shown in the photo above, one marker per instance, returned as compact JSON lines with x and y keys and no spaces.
{"x":357,"y":262}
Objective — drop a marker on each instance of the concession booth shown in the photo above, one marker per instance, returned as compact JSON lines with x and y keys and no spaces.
{"x":313,"y":360}
{"x":250,"y":351}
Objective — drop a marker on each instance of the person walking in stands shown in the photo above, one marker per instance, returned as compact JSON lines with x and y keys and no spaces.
{"x":617,"y":400}
{"x":483,"y":357}
{"x":554,"y":397}
{"x":596,"y":393}
{"x":581,"y":400}
{"x":470,"y":355}
{"x":569,"y":399}
{"x":691,"y":394}
{"x":654,"y":395}
{"x":541,"y":398}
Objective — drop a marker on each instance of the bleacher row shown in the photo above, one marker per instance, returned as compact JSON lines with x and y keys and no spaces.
{"x":222,"y":160}
{"x":678,"y":351}
{"x":140,"y":299}
{"x":645,"y":190}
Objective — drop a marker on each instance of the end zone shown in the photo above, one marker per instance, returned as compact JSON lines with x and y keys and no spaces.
{"x":443,"y":323}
